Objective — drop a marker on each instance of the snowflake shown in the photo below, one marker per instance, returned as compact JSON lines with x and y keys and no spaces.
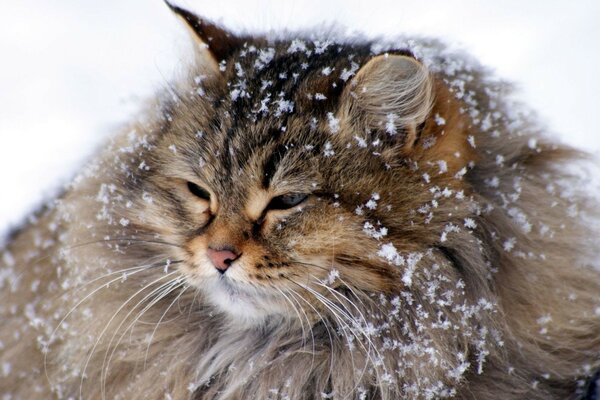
{"x":328,"y":152}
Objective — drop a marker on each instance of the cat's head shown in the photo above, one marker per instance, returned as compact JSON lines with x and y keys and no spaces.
{"x":283,"y":169}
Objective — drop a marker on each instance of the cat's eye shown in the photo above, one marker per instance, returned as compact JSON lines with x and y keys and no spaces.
{"x":198,"y":191}
{"x":286,"y":201}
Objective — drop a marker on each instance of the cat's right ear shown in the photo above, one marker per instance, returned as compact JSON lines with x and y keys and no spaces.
{"x":214,"y":42}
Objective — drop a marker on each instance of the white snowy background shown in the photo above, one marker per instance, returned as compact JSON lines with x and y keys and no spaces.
{"x":71,"y":71}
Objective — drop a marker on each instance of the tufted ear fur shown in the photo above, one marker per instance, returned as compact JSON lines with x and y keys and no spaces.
{"x":216,"y":43}
{"x":390,"y":93}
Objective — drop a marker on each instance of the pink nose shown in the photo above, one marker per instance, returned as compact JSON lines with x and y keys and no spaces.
{"x":221,"y":259}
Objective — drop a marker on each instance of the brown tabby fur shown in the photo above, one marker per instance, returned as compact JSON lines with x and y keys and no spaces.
{"x":505,"y":307}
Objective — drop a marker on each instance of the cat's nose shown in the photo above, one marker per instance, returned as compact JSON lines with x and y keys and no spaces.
{"x":222,"y":258}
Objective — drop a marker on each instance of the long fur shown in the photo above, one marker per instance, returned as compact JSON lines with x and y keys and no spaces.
{"x":452,"y":258}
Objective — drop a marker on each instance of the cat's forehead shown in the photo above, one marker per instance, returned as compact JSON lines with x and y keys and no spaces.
{"x":263,"y":154}
{"x":281,"y":79}
{"x":274,"y":100}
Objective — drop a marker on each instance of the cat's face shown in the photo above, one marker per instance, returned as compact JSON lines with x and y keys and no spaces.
{"x":282,"y":169}
{"x":263,"y":213}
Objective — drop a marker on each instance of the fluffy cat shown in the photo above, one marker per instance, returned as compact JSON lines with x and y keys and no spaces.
{"x":305,"y":219}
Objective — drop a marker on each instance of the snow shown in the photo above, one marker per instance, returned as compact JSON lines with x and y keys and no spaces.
{"x":69,"y":78}
{"x":333,"y":122}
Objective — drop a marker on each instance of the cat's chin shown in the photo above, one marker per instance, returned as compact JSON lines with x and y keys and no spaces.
{"x":245,"y":304}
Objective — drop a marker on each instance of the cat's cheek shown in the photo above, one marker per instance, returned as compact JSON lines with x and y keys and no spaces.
{"x":196,"y":250}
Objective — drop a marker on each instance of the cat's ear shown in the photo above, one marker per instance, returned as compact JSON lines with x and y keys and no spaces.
{"x":390,"y":93}
{"x":218,"y":43}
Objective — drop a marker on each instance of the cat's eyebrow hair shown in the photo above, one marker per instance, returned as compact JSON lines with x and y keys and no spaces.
{"x":272,"y":163}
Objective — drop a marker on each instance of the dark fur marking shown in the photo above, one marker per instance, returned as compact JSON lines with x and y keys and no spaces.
{"x":451,"y":256}
{"x":272,"y":163}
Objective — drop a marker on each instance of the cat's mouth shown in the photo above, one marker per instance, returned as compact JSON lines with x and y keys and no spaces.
{"x":232,"y":288}
{"x":243,"y":300}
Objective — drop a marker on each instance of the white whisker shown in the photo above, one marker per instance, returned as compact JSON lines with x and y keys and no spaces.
{"x":109,"y":323}
{"x":160,"y":320}
{"x":161,"y":291}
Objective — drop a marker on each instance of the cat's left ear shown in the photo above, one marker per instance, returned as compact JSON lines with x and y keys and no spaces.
{"x":391,"y":93}
{"x":218,"y":43}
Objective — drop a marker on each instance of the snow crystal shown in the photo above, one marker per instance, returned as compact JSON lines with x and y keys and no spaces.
{"x":199,"y":78}
{"x":471,"y":140}
{"x":360,"y":141}
{"x":443,"y":165}
{"x":239,"y":71}
{"x":333,"y":275}
{"x":520,"y":218}
{"x":390,"y":125}
{"x":372,"y":231}
{"x":235,"y":94}
{"x":327,"y":71}
{"x":143,"y":166}
{"x":492,"y":182}
{"x":333,"y":122}
{"x":446,"y":192}
{"x":544,"y":320}
{"x":8,"y":259}
{"x":264,"y":57}
{"x":372,"y":203}
{"x":328,"y":152}
{"x":321,"y":46}
{"x":147,"y":198}
{"x":486,"y":124}
{"x":6,"y":369}
{"x":296,"y":45}
{"x":411,"y":264}
{"x":470,"y":223}
{"x":509,"y":244}
{"x":532,"y":143}
{"x":389,"y":252}
{"x":348,"y":73}
{"x":449,"y":228}
{"x":264,"y":104}
{"x":284,"y":106}
{"x":439,"y":120}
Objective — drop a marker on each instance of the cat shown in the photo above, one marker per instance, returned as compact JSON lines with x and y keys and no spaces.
{"x":310,"y":219}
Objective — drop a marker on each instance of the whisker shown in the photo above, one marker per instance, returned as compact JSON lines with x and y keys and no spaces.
{"x":343,"y":324}
{"x":109,"y":323}
{"x":308,"y":323}
{"x":358,"y":327}
{"x":80,"y":245}
{"x":124,"y":271}
{"x":89,"y":295}
{"x":299,"y":318}
{"x":346,"y":285}
{"x":160,"y":320}
{"x":123,"y":239}
{"x":196,"y":293}
{"x":371,"y":345}
{"x":338,"y":313}
{"x":161,"y":291}
{"x":322,"y":319}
